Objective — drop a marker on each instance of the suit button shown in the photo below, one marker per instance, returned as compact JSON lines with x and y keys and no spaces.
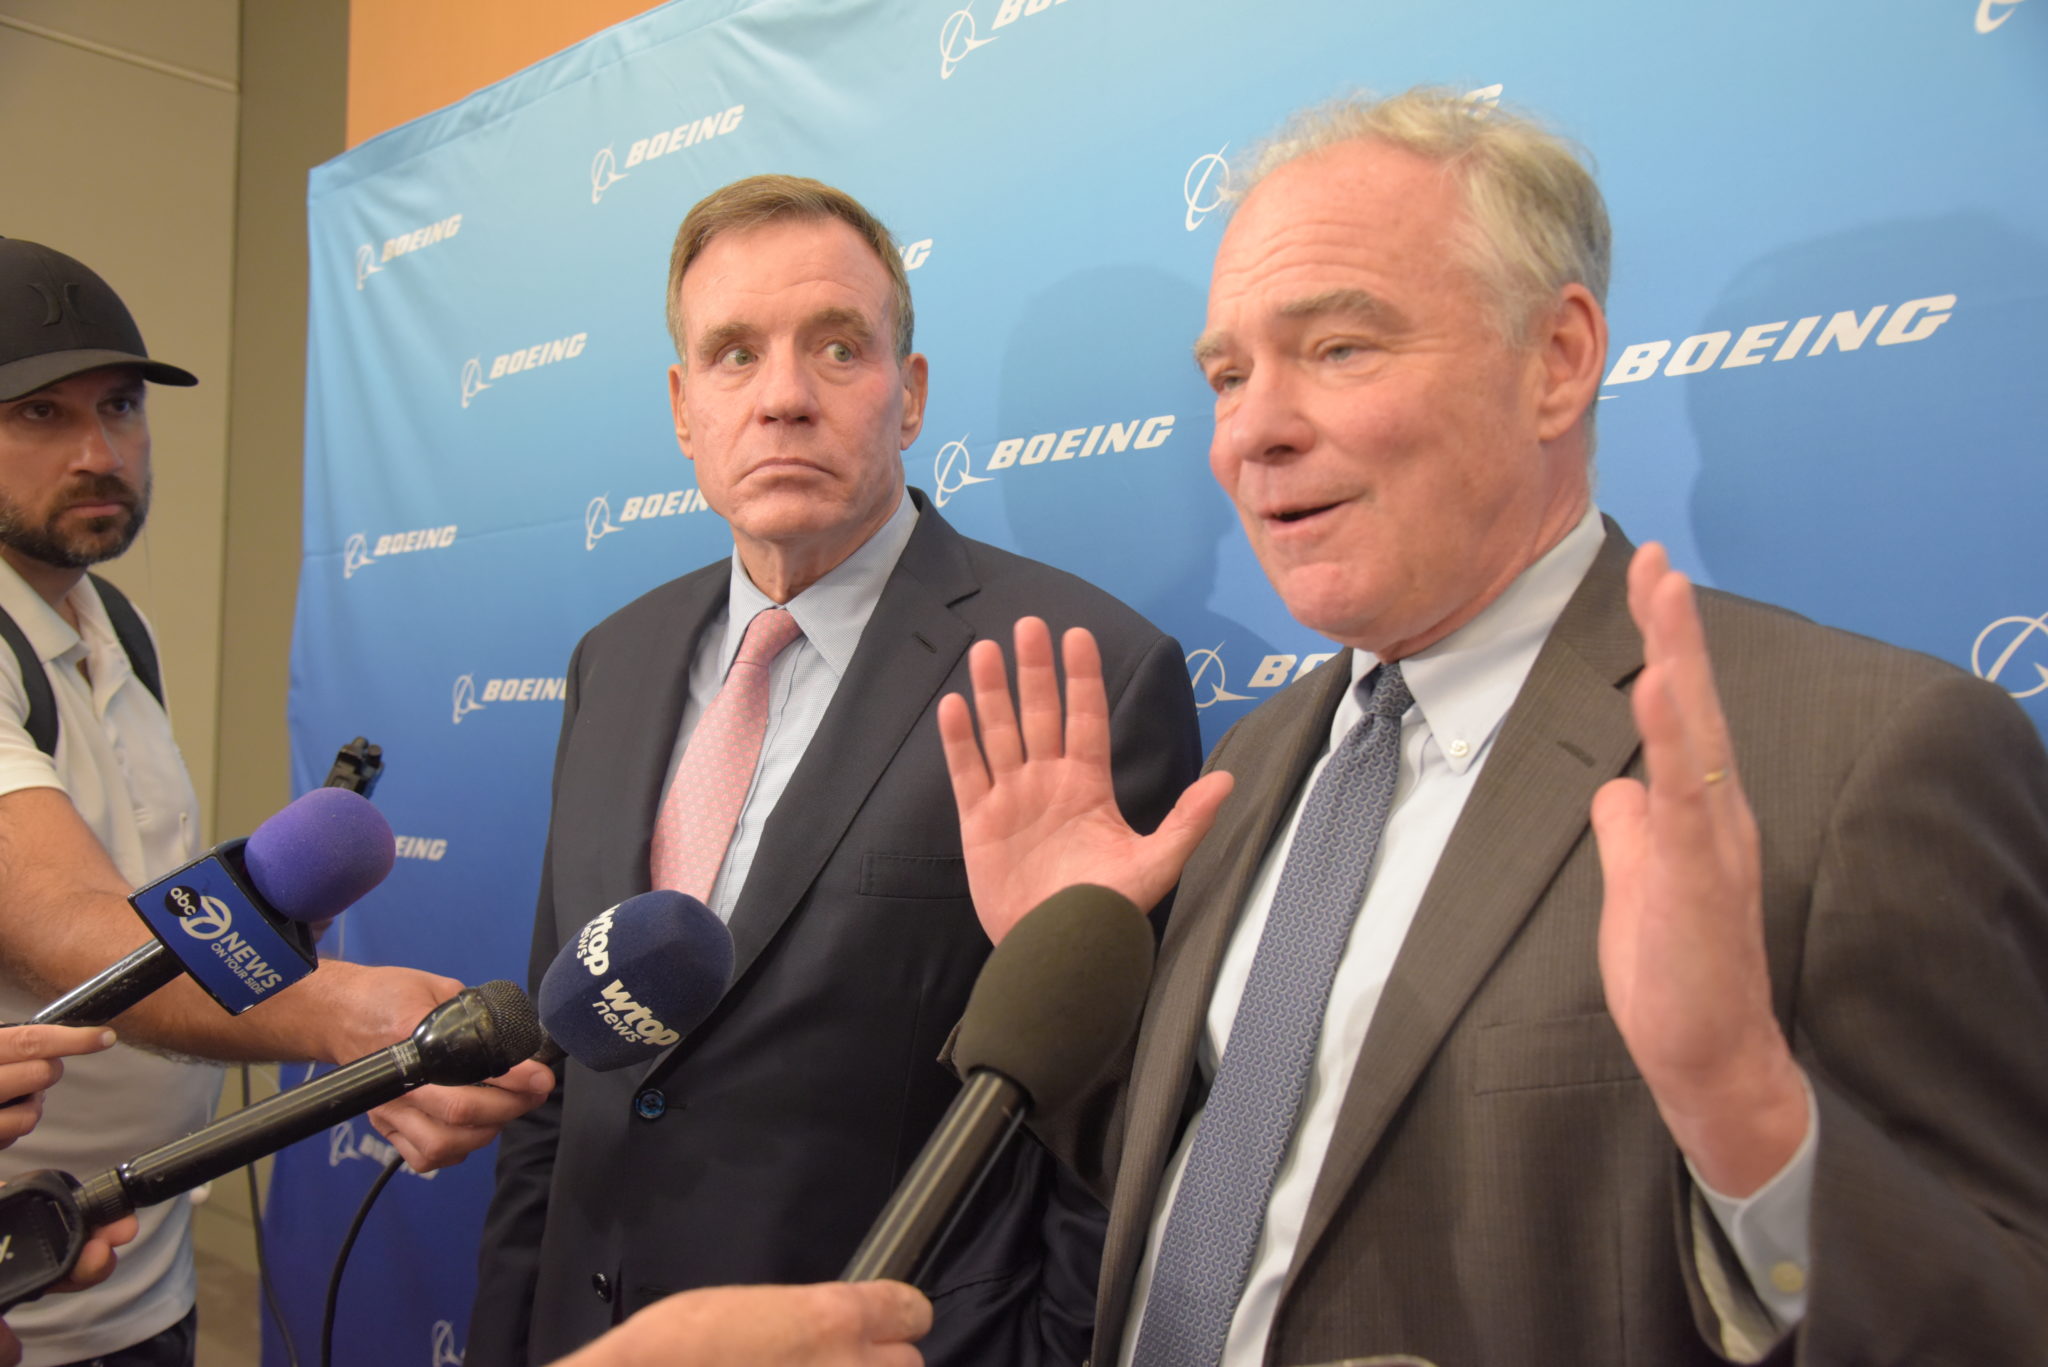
{"x":650,"y":1104}
{"x":602,"y":1285}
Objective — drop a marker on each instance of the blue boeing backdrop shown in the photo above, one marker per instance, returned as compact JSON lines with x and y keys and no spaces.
{"x":1825,"y":383}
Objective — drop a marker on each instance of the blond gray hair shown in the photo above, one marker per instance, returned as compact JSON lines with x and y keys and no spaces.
{"x":1535,"y":220}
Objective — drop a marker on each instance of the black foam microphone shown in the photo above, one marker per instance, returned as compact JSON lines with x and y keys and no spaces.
{"x":1057,"y":999}
{"x":45,"y":1216}
{"x":635,"y":980}
{"x":235,"y":919}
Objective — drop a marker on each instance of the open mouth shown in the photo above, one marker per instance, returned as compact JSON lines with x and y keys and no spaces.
{"x":1292,"y":515}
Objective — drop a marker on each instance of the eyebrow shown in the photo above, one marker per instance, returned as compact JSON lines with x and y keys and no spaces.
{"x":1359,"y":305}
{"x":851,"y":321}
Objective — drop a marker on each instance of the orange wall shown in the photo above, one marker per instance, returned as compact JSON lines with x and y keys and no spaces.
{"x":410,"y":57}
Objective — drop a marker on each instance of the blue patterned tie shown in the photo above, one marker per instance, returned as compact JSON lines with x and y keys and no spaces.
{"x":1244,"y":1130}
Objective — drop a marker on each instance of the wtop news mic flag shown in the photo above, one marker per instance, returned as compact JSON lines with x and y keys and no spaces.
{"x":1823,"y":388}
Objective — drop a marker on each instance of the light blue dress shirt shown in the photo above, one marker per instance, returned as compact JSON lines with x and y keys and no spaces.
{"x":801,"y":684}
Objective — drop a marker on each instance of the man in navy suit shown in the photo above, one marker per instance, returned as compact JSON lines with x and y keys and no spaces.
{"x":761,"y":1147}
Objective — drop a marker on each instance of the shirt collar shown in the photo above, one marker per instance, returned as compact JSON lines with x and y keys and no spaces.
{"x":47,"y":631}
{"x":834,"y":611}
{"x":1465,"y":683}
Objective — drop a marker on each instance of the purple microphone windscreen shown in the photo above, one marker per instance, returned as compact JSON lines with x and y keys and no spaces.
{"x":636,"y":979}
{"x":321,"y":852}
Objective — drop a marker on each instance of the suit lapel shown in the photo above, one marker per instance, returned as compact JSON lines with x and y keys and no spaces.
{"x":1568,"y":732}
{"x":906,"y":653}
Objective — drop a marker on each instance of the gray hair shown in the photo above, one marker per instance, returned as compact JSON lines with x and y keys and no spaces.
{"x":1535,"y":219}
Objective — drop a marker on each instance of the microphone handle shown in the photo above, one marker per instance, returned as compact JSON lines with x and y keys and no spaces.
{"x":102,"y":998}
{"x":252,"y":1133}
{"x":948,"y":1171}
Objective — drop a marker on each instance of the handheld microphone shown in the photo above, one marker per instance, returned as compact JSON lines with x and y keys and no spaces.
{"x":46,"y":1216}
{"x":1054,"y":1003}
{"x":233,"y":918}
{"x":635,"y":980}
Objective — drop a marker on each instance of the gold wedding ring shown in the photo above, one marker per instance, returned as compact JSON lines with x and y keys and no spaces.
{"x":1713,"y":776}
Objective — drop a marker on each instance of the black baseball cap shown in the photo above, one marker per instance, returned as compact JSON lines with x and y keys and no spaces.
{"x":58,"y":319}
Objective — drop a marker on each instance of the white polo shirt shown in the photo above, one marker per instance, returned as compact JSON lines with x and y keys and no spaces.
{"x":117,"y":762}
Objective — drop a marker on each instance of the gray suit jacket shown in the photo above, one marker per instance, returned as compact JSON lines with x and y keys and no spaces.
{"x":1500,"y":1189}
{"x":787,"y":1118}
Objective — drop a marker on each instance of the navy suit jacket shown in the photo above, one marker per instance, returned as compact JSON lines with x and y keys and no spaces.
{"x":791,"y":1113}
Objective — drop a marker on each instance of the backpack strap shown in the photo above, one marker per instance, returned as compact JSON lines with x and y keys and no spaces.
{"x":41,"y":721}
{"x":133,"y":636}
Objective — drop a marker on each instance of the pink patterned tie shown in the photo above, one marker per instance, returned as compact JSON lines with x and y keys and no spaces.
{"x":703,"y":803}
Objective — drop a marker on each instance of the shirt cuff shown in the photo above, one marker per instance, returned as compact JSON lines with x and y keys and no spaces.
{"x":1771,"y":1229}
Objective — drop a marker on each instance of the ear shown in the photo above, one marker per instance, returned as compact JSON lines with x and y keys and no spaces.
{"x":675,"y":405}
{"x":916,"y":381}
{"x":1572,"y":347}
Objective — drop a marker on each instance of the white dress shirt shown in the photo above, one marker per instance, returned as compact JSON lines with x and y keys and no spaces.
{"x":801,"y":683}
{"x":1463,"y":687}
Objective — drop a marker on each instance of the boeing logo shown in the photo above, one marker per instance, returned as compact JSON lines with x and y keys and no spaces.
{"x":1201,"y":664}
{"x":1913,"y":321}
{"x":343,"y":1143}
{"x":1205,"y":186}
{"x":465,"y":697}
{"x":366,"y":263}
{"x":446,"y":1354}
{"x":359,"y":552}
{"x":597,"y":521}
{"x":2008,"y":634}
{"x":1486,"y":94}
{"x":2001,"y":9}
{"x":915,"y":254}
{"x":472,"y":379}
{"x":1274,"y":671}
{"x":355,"y":555}
{"x":604,"y":173}
{"x":956,"y":40}
{"x":953,"y":470}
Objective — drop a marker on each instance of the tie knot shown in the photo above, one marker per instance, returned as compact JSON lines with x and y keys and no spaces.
{"x":770,"y":631}
{"x":1390,"y":696}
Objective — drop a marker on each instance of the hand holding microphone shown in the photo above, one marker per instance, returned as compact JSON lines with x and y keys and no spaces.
{"x":32,"y":1068}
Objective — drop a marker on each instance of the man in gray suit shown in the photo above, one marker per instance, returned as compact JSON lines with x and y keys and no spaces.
{"x":1748,"y":1070}
{"x":762,"y":1147}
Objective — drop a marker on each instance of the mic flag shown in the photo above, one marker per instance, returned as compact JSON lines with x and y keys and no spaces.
{"x":234,"y":918}
{"x":635,"y":980}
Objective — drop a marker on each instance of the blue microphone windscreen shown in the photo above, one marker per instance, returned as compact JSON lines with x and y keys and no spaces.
{"x":314,"y":858}
{"x":636,"y":979}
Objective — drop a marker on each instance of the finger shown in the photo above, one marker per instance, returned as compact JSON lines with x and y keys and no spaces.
{"x":398,"y":1125}
{"x":1621,"y":811}
{"x":1691,"y":679}
{"x":1646,"y":569}
{"x":1038,"y":690}
{"x":1175,"y":840}
{"x":1087,"y":703}
{"x":1001,"y":745}
{"x":24,"y":1042}
{"x":20,"y":1115}
{"x":963,"y":757}
{"x":892,"y":1312}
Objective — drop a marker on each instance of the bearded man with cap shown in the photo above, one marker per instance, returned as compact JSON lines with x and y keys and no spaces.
{"x":95,"y":799}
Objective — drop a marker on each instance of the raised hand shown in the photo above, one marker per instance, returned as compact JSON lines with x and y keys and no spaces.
{"x":1681,"y":929}
{"x":1038,"y":812}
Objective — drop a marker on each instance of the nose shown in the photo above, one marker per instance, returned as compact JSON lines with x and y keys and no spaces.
{"x":1262,"y":420}
{"x":99,"y":449}
{"x":787,"y":392}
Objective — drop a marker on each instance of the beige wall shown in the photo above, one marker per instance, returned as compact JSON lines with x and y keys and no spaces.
{"x":119,"y":149}
{"x":407,"y":59}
